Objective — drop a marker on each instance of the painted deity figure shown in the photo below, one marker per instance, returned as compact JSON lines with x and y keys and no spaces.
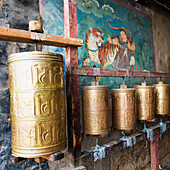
{"x":124,"y":58}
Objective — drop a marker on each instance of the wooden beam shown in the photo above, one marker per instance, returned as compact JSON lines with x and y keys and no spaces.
{"x":154,"y":147}
{"x":16,"y":35}
{"x":72,"y":83}
{"x":115,"y":73}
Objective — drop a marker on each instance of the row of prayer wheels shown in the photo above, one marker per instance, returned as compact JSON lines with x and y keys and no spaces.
{"x":37,"y":105}
{"x":128,"y":105}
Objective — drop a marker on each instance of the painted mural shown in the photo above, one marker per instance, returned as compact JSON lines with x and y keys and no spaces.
{"x":53,"y":16}
{"x":115,"y":37}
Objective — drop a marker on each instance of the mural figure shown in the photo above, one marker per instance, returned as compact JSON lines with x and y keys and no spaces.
{"x":103,"y":54}
{"x":124,"y":58}
{"x":118,"y":50}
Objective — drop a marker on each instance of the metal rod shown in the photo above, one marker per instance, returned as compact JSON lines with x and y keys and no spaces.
{"x":144,"y":124}
{"x":39,"y":166}
{"x":144,"y":79}
{"x":36,"y":46}
{"x":97,"y":141}
{"x":123,"y":80}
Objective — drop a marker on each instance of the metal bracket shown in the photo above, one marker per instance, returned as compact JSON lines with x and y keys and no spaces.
{"x":162,"y":128}
{"x":150,"y":134}
{"x":99,"y":152}
{"x":129,"y":141}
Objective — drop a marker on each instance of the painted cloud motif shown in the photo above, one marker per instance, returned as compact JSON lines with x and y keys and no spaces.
{"x":92,"y":6}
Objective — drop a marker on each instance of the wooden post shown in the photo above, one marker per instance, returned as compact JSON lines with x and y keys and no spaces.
{"x":72,"y":83}
{"x":154,"y":146}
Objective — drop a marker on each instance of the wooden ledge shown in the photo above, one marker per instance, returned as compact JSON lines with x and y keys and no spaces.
{"x":16,"y":35}
{"x":114,"y":73}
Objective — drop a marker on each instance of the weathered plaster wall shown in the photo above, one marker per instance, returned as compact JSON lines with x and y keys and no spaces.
{"x":160,"y":26}
{"x":13,"y":14}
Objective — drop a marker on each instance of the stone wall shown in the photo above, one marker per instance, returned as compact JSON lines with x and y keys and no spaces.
{"x":13,"y":14}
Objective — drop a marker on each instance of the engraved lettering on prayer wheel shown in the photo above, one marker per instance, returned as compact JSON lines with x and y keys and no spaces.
{"x":162,"y":98}
{"x":37,"y":108}
{"x":96,"y":110}
{"x":145,"y":102}
{"x":123,"y":109}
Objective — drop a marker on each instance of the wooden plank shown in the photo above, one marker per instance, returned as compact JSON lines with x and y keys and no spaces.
{"x":72,"y":83}
{"x":154,"y":147}
{"x":22,"y":36}
{"x":115,"y":73}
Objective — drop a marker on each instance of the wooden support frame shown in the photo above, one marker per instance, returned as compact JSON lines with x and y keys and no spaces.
{"x":72,"y":84}
{"x":15,"y":35}
{"x":115,"y":73}
{"x":52,"y":157}
{"x":154,"y":147}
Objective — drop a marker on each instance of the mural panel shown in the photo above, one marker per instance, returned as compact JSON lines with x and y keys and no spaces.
{"x":115,"y":37}
{"x":53,"y":16}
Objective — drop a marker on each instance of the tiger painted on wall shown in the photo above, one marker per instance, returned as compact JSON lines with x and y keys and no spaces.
{"x":103,"y":54}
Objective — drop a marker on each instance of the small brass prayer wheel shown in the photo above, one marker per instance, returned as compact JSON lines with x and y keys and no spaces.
{"x":145,"y":102}
{"x":37,"y":104}
{"x":96,"y":110}
{"x":162,"y":98}
{"x":123,"y":108}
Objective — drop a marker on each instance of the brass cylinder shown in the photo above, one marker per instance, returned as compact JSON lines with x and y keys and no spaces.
{"x":162,"y":98}
{"x":37,"y":108}
{"x":145,"y":102}
{"x":123,"y":109}
{"x":96,"y":110}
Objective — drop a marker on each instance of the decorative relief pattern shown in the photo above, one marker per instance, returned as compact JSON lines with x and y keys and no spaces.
{"x":123,"y":100}
{"x":37,"y":134}
{"x":145,"y":96}
{"x":36,"y":75}
{"x":162,"y":93}
{"x":39,"y":104}
{"x":124,"y":119}
{"x":123,"y":110}
{"x":162,"y":97}
{"x":145,"y":111}
{"x":37,"y":107}
{"x":145,"y":103}
{"x":96,"y":111}
{"x":97,"y":122}
{"x":99,"y":99}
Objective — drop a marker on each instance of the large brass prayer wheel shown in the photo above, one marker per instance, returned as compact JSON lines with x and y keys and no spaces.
{"x":38,"y":119}
{"x":145,"y":102}
{"x":96,"y":110}
{"x":162,"y":98}
{"x":123,"y":109}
